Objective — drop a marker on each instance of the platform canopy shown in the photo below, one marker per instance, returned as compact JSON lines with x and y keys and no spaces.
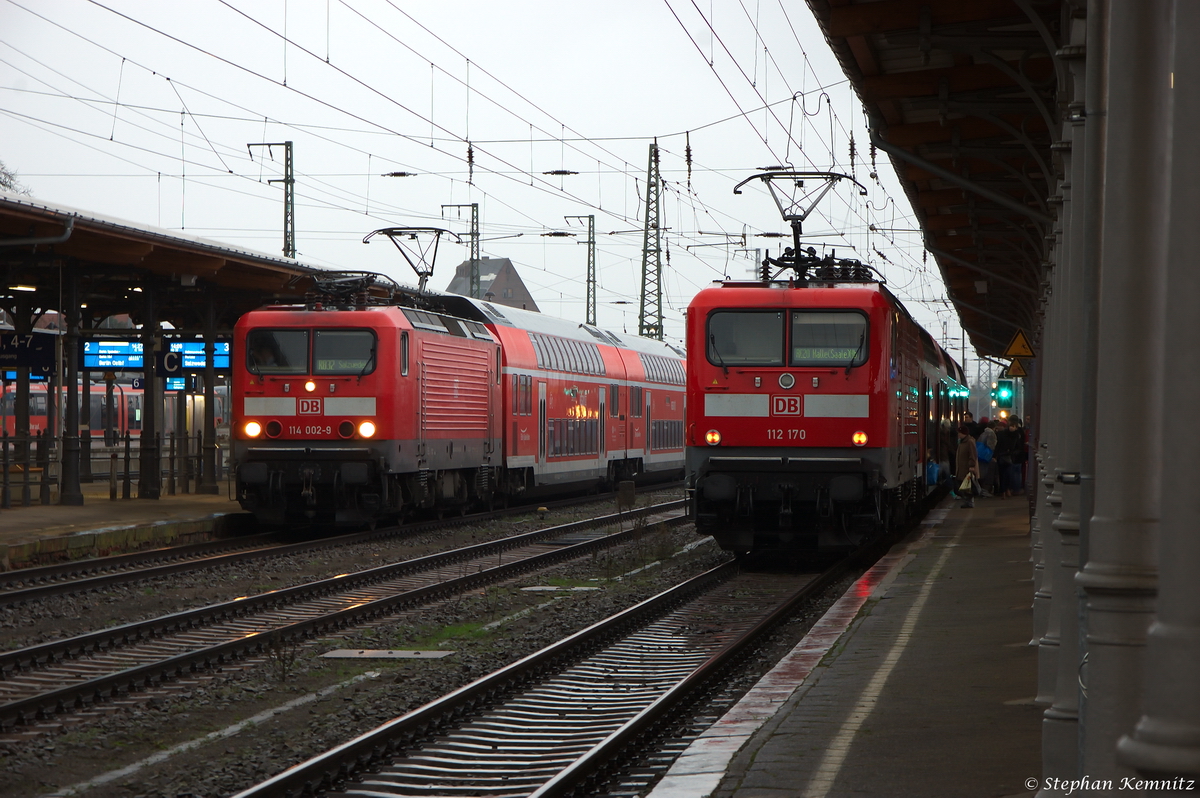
{"x":39,"y":243}
{"x":964,"y":97}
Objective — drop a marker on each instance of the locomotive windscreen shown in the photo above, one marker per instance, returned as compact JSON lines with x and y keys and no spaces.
{"x":277,"y":351}
{"x":344,"y":352}
{"x":746,"y":337}
{"x":828,"y":338}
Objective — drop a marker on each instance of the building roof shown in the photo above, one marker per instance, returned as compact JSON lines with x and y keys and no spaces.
{"x":114,"y":257}
{"x":497,"y":276}
{"x":967,"y":100}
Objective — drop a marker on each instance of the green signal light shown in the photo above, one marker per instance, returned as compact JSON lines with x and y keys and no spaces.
{"x":1004,"y":393}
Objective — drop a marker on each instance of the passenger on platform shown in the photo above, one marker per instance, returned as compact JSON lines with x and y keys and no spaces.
{"x":987,"y":456}
{"x":966,"y":462}
{"x":972,"y":427}
{"x":1006,"y":446}
{"x":1020,"y":455}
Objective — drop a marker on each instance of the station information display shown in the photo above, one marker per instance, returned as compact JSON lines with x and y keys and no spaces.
{"x":193,"y":354}
{"x":118,"y":354}
{"x":114,"y":354}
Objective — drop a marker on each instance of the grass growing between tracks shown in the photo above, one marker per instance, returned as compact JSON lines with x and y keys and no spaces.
{"x":240,"y":690}
{"x":423,"y":638}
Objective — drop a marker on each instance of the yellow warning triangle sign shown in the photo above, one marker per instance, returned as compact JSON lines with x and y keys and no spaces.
{"x":1016,"y":369}
{"x":1018,"y":346}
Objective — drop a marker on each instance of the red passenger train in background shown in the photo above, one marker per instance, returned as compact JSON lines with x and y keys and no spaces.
{"x":815,"y":407}
{"x":361,"y":406}
{"x":108,"y":418}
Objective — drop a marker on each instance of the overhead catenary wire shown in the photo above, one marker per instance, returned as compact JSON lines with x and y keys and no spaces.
{"x":690,"y":203}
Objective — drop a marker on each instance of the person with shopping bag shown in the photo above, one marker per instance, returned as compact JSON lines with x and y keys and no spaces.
{"x":966,"y":466}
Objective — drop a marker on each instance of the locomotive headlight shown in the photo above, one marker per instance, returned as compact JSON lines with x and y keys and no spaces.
{"x":859,"y":438}
{"x":712,"y":437}
{"x":367,"y":429}
{"x":310,"y":386}
{"x":252,"y":429}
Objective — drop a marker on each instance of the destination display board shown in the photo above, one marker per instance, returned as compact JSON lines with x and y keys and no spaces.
{"x":126,"y":354}
{"x":193,"y":354}
{"x":115,"y":354}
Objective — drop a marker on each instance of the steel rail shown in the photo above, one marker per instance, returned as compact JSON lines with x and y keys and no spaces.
{"x":386,"y":741}
{"x":16,"y":580}
{"x":55,"y":580}
{"x":585,"y":771}
{"x":73,"y":696}
{"x":587,"y":767}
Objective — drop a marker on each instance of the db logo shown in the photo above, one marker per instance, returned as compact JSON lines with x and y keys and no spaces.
{"x":785,"y":406}
{"x":310,"y":407}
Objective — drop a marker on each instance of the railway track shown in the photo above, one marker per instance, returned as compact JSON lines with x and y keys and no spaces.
{"x":557,"y":722}
{"x":79,"y":576}
{"x":64,"y":675}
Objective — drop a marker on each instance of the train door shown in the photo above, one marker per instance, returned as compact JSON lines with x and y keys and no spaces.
{"x":648,"y":426}
{"x":897,"y":372}
{"x":494,"y":398}
{"x":926,"y":435}
{"x":541,"y":423}
{"x":603,"y":449}
{"x":622,"y":441}
{"x":422,"y":420}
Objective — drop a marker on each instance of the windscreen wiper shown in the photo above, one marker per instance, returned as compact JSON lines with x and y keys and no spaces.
{"x":370,"y":360}
{"x":862,"y":336}
{"x":712,"y":339}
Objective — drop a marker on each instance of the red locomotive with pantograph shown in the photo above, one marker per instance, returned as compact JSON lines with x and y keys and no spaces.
{"x":365,"y":406}
{"x":818,"y":412}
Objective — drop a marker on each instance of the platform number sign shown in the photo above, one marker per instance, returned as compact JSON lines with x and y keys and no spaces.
{"x":310,"y":407}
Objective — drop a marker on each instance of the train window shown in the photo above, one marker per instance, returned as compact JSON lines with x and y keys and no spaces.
{"x":558,"y":355}
{"x":277,"y":351}
{"x":741,"y":337}
{"x":454,"y":327}
{"x":538,"y":350}
{"x":133,"y":408}
{"x":661,"y":369}
{"x":568,"y":355}
{"x":495,"y":313}
{"x":344,"y":352}
{"x":425,"y":321}
{"x":635,"y":401}
{"x":614,"y":400}
{"x":478,"y":330}
{"x":404,"y":353}
{"x":573,"y":363}
{"x":828,"y":338}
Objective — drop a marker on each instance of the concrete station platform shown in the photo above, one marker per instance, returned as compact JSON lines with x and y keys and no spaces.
{"x":918,"y":682}
{"x":42,"y":534}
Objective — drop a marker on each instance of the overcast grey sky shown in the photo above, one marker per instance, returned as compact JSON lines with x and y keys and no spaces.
{"x":142,"y":111}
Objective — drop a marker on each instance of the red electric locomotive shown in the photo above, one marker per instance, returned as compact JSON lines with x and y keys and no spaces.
{"x":815,"y":407}
{"x":364,"y":407}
